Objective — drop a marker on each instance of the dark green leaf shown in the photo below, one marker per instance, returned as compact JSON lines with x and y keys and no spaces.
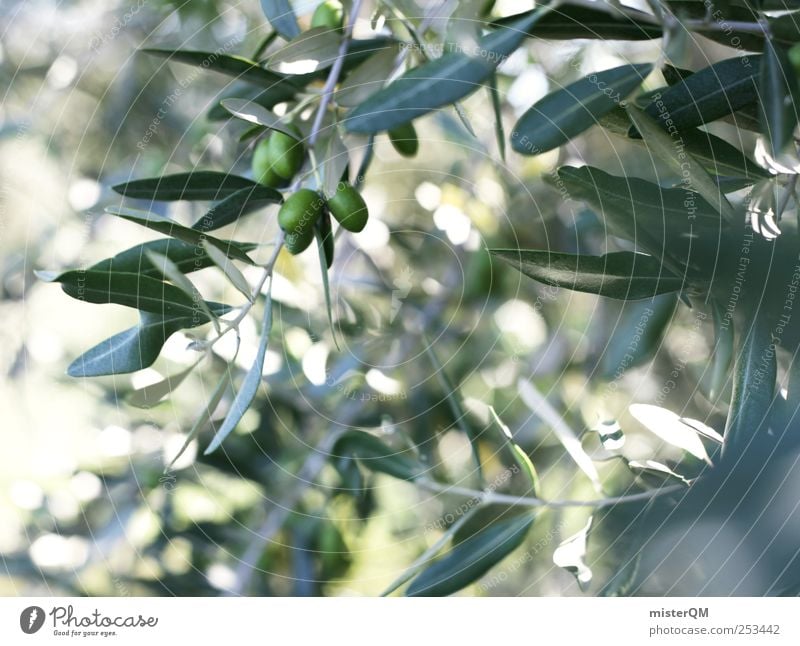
{"x":710,"y":94}
{"x":684,"y":165}
{"x":236,"y":66}
{"x":377,"y":456}
{"x":606,"y":22}
{"x":197,"y":185}
{"x":723,"y":352}
{"x":621,"y":274}
{"x":779,"y":93}
{"x":257,"y":114}
{"x":673,"y":225}
{"x":187,"y":257}
{"x":439,"y":82}
{"x":131,"y":290}
{"x":171,"y":228}
{"x":249,"y":388}
{"x":565,"y":113}
{"x":269,"y":98}
{"x":237,"y":205}
{"x":636,"y":334}
{"x":472,"y":558}
{"x":281,"y":16}
{"x":754,"y":376}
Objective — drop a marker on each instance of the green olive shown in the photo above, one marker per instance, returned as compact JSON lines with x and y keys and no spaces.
{"x":297,"y":217}
{"x":404,"y":139}
{"x":348,"y":207}
{"x":328,"y":14}
{"x":262,"y":165}
{"x":286,"y":154}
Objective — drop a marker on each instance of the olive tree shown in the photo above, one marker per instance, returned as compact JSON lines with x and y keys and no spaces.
{"x":695,"y":223}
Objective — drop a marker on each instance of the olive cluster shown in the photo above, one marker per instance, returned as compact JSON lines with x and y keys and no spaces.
{"x":305,"y":209}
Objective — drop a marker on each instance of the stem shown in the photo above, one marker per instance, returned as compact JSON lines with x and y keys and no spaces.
{"x":490,"y":497}
{"x":333,"y":77}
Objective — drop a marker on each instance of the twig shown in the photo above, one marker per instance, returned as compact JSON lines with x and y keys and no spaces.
{"x":333,"y":76}
{"x":490,"y":497}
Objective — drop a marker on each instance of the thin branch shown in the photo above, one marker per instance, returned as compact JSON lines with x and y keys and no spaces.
{"x":490,"y":497}
{"x":333,"y":76}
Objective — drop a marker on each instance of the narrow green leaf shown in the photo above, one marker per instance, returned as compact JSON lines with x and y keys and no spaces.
{"x":205,"y":415}
{"x":315,"y":49}
{"x":230,"y":270}
{"x":249,"y":387}
{"x":673,"y":152}
{"x":187,"y":257}
{"x":499,"y":130}
{"x":670,"y":428}
{"x":377,"y":456}
{"x":281,"y":16}
{"x":636,"y":334}
{"x":621,"y":274}
{"x":366,"y":79}
{"x":326,"y":288}
{"x":517,"y":454}
{"x":172,"y":273}
{"x":197,"y":185}
{"x":606,"y":22}
{"x":131,"y":290}
{"x":453,"y":397}
{"x":136,"y":348}
{"x":439,"y":82}
{"x":171,"y":228}
{"x":472,"y":558}
{"x":779,"y":97}
{"x":432,"y":551}
{"x":236,"y":66}
{"x":153,"y":394}
{"x":564,"y":114}
{"x":709,"y":94}
{"x":539,"y":406}
{"x":286,"y":90}
{"x":237,"y":205}
{"x":723,"y":352}
{"x":675,"y":226}
{"x":254,"y":113}
{"x":754,"y":377}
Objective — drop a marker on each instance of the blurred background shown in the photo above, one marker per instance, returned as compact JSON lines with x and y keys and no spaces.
{"x":86,"y":504}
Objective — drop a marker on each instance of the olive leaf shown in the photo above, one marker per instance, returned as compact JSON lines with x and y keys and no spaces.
{"x":754,"y":377}
{"x":171,"y":228}
{"x":439,"y":82}
{"x":196,"y":185}
{"x":135,"y":348}
{"x":377,"y":456}
{"x":249,"y":386}
{"x":472,"y":558}
{"x":681,"y":161}
{"x":131,"y":290}
{"x":709,"y":94}
{"x":779,"y":97}
{"x":621,"y":274}
{"x":236,"y":66}
{"x":571,"y":555}
{"x":605,"y":22}
{"x":153,"y":394}
{"x":252,"y":112}
{"x":315,"y":49}
{"x":564,"y":114}
{"x":238,"y":204}
{"x":281,"y":16}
